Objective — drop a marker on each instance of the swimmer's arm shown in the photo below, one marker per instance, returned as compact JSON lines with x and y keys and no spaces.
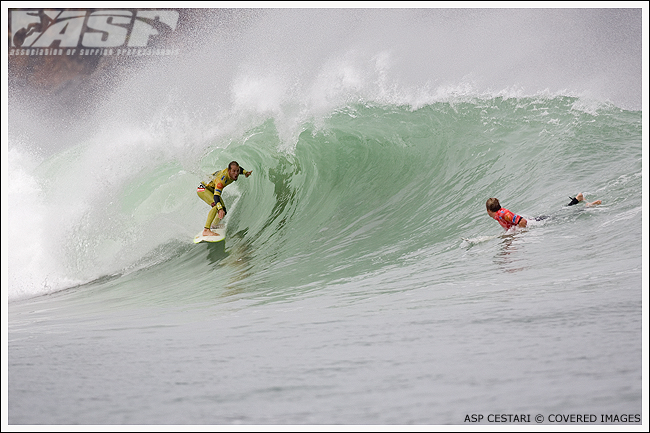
{"x":519,"y":220}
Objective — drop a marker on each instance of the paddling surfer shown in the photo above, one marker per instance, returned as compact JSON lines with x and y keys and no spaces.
{"x":509,"y":219}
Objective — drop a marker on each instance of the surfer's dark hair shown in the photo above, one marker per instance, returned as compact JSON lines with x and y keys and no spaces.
{"x":233,"y":162}
{"x":492,"y":204}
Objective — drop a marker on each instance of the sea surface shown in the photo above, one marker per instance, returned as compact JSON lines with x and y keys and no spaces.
{"x":361,"y":281}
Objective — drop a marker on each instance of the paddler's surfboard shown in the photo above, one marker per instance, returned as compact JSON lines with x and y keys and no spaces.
{"x":220,"y":230}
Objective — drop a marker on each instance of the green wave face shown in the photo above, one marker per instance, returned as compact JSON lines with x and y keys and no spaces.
{"x":367,"y":191}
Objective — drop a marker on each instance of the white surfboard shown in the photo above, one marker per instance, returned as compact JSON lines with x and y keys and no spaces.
{"x":220,"y":230}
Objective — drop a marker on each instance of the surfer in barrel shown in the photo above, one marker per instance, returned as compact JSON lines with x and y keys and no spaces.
{"x":508,"y":219}
{"x":210,"y":193}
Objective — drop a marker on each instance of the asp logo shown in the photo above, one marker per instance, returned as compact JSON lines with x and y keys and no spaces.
{"x":97,"y":29}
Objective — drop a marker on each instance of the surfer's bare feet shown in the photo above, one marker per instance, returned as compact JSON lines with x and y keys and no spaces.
{"x":207,"y":232}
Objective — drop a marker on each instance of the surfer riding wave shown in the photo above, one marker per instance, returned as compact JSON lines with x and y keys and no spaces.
{"x":210,"y":193}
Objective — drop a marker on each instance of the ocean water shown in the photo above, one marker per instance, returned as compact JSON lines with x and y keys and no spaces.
{"x":362,"y":281}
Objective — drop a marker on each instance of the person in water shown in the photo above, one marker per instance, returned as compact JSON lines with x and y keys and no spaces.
{"x":211,"y":194}
{"x":503,"y":216}
{"x":508,"y":219}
